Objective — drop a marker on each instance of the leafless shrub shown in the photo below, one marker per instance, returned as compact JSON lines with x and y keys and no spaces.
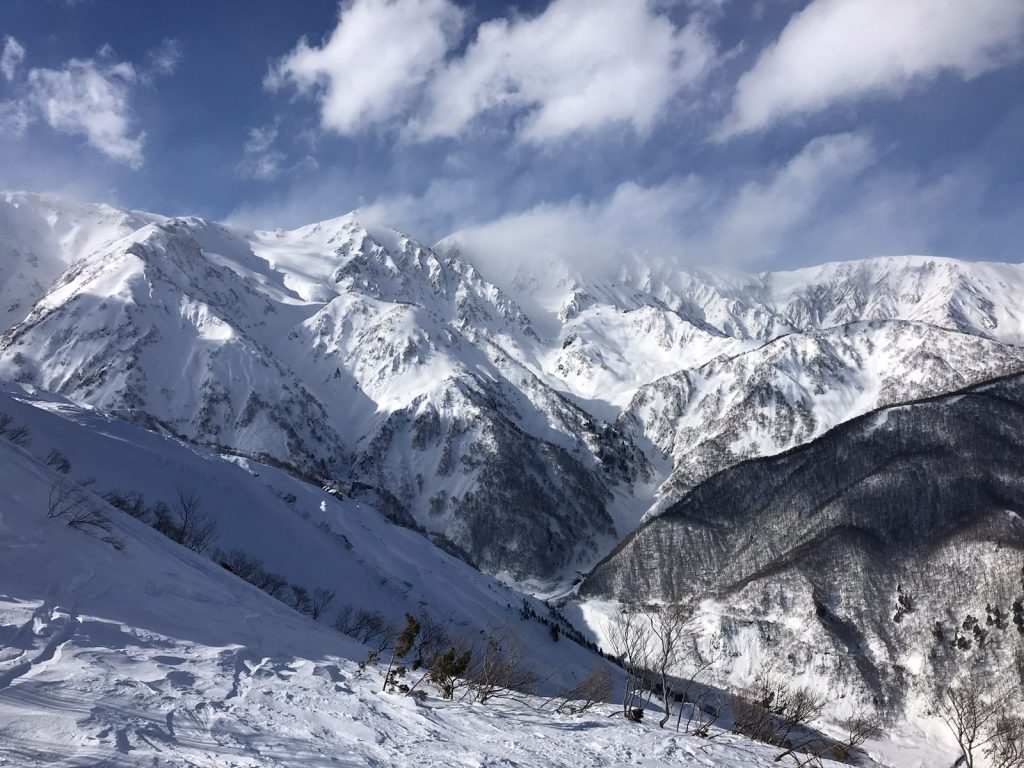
{"x":322,"y":598}
{"x":752,"y":718}
{"x":186,"y":523}
{"x":75,"y":507}
{"x":432,"y":641}
{"x":596,"y":688}
{"x":58,"y":461}
{"x":775,"y":711}
{"x":20,"y":435}
{"x":130,"y":503}
{"x":299,"y":599}
{"x":500,"y":668}
{"x":368,"y":627}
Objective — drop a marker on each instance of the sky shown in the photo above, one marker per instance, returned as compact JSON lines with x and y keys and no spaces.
{"x":755,"y":134}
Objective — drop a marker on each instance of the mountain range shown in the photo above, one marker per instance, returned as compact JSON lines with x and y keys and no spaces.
{"x":822,"y":462}
{"x":533,"y":443}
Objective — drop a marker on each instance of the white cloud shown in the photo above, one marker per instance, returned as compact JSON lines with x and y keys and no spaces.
{"x":578,"y":66}
{"x":11,"y":57}
{"x":692,"y":219}
{"x":166,"y":57}
{"x":591,"y":233}
{"x":835,"y":51}
{"x":85,"y":97}
{"x":15,"y":118}
{"x":756,"y":222}
{"x":378,"y":55}
{"x":90,"y":98}
{"x":261,"y":159}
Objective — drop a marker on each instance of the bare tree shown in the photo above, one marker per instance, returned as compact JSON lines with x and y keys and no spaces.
{"x":705,"y":712}
{"x":322,"y":598}
{"x":796,"y":712}
{"x":1006,"y":749}
{"x":862,"y":725}
{"x":595,"y":688}
{"x":973,"y":713}
{"x":75,"y":507}
{"x":627,"y":635}
{"x":670,"y":626}
{"x":186,"y":523}
{"x":701,"y":667}
{"x":500,"y":669}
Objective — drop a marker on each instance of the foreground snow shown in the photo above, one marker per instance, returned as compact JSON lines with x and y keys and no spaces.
{"x":152,"y":655}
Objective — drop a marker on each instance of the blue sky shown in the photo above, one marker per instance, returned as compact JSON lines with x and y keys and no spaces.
{"x":757,"y":134}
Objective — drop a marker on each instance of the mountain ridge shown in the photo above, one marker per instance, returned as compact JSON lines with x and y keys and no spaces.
{"x":357,"y":352}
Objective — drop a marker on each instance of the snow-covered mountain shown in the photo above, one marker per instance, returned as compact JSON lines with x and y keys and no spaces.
{"x":795,"y":387}
{"x":880,"y":558}
{"x":367,"y":414}
{"x":342,"y":354}
{"x":533,"y":424}
{"x":119,"y":647}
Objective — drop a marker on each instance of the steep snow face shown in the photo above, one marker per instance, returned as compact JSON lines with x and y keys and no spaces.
{"x":977,"y":298}
{"x":41,"y":236}
{"x":880,"y":558}
{"x":150,"y":327}
{"x":334,"y":539}
{"x":150,"y":654}
{"x":796,"y":387}
{"x":317,"y":348}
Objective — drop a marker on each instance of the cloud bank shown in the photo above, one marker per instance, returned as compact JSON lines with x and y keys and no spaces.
{"x":577,"y":66}
{"x":379,"y":54}
{"x":90,"y":98}
{"x":838,"y":51}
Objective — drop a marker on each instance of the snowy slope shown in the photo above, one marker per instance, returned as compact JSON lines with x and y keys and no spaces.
{"x":40,"y":236}
{"x":794,"y":388}
{"x":531,"y":424}
{"x":974,"y":297}
{"x":313,"y":348}
{"x":335,"y":541}
{"x":149,"y":654}
{"x":877,"y":560}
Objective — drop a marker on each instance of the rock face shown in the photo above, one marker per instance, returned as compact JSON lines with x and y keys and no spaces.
{"x":880,"y":556}
{"x":531,"y":425}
